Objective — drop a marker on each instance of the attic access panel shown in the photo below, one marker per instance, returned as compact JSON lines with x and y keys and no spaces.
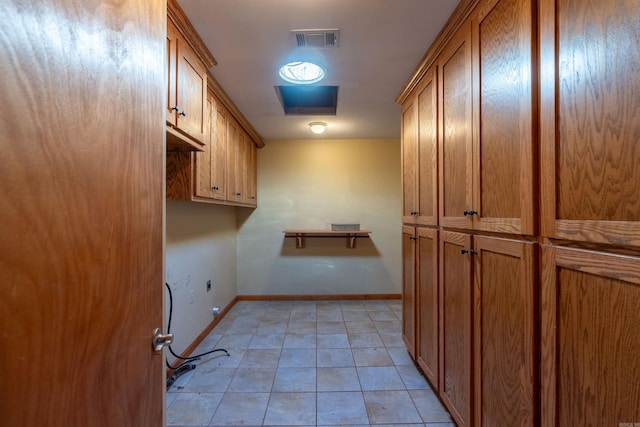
{"x":308,"y":100}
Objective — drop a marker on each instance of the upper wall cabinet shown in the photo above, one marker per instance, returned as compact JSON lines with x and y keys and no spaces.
{"x":419,"y":153}
{"x":186,"y":83}
{"x":590,"y":120}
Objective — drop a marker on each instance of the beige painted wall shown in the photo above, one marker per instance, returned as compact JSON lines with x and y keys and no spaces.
{"x":310,"y":184}
{"x":201,"y":246}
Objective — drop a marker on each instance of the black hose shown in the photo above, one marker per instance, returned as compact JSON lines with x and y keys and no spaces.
{"x":190,"y":358}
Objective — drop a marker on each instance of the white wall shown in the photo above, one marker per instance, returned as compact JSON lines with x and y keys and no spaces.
{"x":200,"y":246}
{"x":308,"y":184}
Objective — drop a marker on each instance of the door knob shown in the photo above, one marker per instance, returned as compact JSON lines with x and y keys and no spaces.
{"x":160,"y":340}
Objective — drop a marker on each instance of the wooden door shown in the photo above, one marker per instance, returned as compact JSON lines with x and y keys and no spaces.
{"x":504,"y":135}
{"x":427,"y":149}
{"x":409,"y":162}
{"x":219,"y":151}
{"x":81,"y":258}
{"x":172,"y":72}
{"x":456,"y":317}
{"x":590,"y":120}
{"x":203,"y":159}
{"x":427,"y":299}
{"x":590,"y":369}
{"x":455,"y":143}
{"x":504,"y":345}
{"x":192,"y":93}
{"x":409,"y":289}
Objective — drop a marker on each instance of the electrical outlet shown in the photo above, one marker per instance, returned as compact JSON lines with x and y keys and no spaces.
{"x":208,"y":285}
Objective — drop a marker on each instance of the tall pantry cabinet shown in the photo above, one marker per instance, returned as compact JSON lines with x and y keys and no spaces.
{"x":590,"y":188}
{"x":538,"y":228}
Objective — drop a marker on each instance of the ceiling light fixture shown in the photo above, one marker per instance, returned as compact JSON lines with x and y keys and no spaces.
{"x":317,"y":127}
{"x":301,"y":73}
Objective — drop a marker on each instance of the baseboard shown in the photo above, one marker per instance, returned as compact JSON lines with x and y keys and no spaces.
{"x":317,"y":297}
{"x":196,"y":342}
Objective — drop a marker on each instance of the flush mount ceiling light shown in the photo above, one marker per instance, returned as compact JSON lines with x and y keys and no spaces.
{"x":301,"y":73}
{"x":317,"y":127}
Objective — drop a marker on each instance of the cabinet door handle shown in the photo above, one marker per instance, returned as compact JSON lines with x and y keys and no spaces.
{"x":467,"y":251}
{"x":215,"y":188}
{"x":413,"y":238}
{"x":176,"y":108}
{"x":183,"y":113}
{"x":414,"y":213}
{"x":238,"y":194}
{"x":470,"y":213}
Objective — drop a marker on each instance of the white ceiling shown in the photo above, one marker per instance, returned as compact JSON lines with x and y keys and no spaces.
{"x":381,"y":43}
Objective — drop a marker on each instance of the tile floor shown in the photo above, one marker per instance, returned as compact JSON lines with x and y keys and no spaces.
{"x":306,"y":363}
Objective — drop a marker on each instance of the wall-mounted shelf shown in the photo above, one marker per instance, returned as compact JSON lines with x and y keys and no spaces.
{"x":350,"y":236}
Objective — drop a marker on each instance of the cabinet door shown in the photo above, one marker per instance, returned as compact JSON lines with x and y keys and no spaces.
{"x":234,"y":164}
{"x":409,"y":162}
{"x":427,"y":303}
{"x":202,"y":160}
{"x":590,"y":344}
{"x":590,"y":120}
{"x":218,"y":149}
{"x":456,"y":325}
{"x":192,"y":92}
{"x":250,"y":173}
{"x":427,"y":149}
{"x":504,"y":346}
{"x":455,"y":154}
{"x":503,"y":194}
{"x":409,"y":289}
{"x":172,"y":72}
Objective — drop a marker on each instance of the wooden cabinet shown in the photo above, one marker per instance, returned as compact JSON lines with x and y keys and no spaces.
{"x":590,"y":369}
{"x":590,"y":120}
{"x":409,"y":288}
{"x":455,"y":149}
{"x":186,"y":94}
{"x":505,"y":332}
{"x":503,"y":121}
{"x":486,"y":112}
{"x":538,"y":116}
{"x":224,"y":172}
{"x":427,"y":303}
{"x":251,"y":172}
{"x":210,"y":164}
{"x":456,"y":318}
{"x":419,"y":153}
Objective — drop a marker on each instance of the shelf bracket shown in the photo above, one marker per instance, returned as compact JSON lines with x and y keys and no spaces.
{"x":299,"y":241}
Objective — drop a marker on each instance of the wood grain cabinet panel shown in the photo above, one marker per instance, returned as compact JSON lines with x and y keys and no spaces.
{"x":456,"y":318}
{"x":590,"y":369}
{"x":420,"y":153}
{"x":590,"y":120}
{"x":218,"y":143}
{"x":503,"y":194}
{"x":202,"y":160}
{"x":504,"y":343}
{"x":427,"y":300}
{"x":455,"y":142}
{"x":187,"y":93}
{"x":409,"y":146}
{"x":409,"y":288}
{"x":251,"y":172}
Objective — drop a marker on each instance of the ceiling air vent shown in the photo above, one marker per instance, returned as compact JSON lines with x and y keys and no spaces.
{"x":327,"y":37}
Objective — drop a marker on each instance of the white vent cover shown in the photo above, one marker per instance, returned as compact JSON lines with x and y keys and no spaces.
{"x":327,"y":37}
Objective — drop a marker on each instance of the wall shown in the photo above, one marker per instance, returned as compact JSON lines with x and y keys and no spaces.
{"x":201,"y":246}
{"x":309,"y":184}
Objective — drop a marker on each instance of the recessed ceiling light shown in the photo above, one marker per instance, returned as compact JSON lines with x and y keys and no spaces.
{"x":317,"y":127}
{"x":301,"y":73}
